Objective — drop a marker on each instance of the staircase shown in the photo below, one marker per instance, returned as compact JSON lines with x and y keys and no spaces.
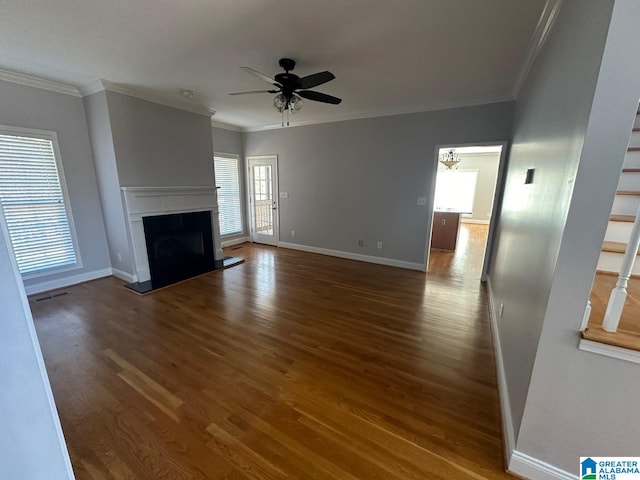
{"x":623,"y":212}
{"x":625,"y":333}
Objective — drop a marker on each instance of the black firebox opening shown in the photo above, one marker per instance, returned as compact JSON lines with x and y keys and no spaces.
{"x":179,"y":246}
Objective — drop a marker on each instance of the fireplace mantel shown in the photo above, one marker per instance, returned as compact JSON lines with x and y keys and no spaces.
{"x":149,"y":201}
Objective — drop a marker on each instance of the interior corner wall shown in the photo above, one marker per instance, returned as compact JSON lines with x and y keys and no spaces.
{"x":30,"y":107}
{"x":550,"y":124}
{"x":229,"y":141}
{"x":109,"y":185}
{"x":361,"y":179}
{"x":581,"y":403}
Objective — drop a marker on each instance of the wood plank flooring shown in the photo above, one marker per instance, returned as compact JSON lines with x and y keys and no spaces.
{"x":289,"y":366}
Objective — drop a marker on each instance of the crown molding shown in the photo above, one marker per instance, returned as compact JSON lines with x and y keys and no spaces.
{"x":538,"y":38}
{"x":470,"y":102}
{"x":41,"y":83}
{"x":226,"y":126}
{"x":101,"y":84}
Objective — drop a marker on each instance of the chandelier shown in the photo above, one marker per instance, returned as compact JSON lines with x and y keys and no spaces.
{"x":289,"y":104}
{"x":449,"y":159}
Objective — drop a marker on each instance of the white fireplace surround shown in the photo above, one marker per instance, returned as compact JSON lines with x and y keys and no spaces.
{"x":142,"y":202}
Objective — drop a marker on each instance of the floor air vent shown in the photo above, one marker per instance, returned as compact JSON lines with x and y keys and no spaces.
{"x":54,"y":295}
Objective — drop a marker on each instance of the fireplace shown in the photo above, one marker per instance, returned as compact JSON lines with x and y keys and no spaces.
{"x":179,"y":246}
{"x":184,"y":222}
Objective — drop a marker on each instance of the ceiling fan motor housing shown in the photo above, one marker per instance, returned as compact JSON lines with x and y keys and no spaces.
{"x":287,"y":64}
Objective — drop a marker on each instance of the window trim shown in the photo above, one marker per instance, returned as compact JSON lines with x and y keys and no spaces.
{"x":53,"y":137}
{"x":236,"y":157}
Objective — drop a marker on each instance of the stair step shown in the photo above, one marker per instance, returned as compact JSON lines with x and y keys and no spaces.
{"x":627,"y":192}
{"x":612,"y":263}
{"x":615,"y":247}
{"x":622,"y":218}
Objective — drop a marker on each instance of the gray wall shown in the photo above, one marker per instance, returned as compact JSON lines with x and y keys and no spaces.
{"x":582,"y":402}
{"x":29,"y":107}
{"x":31,"y":443}
{"x":361,"y":179}
{"x":551,"y":122}
{"x":229,"y":141}
{"x":157,"y":145}
{"x":138,"y":143}
{"x":109,"y":185}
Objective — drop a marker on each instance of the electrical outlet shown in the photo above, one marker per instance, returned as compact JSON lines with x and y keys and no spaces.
{"x":379,"y":244}
{"x":293,"y":233}
{"x":361,"y":243}
{"x":422,"y":201}
{"x":501,"y":309}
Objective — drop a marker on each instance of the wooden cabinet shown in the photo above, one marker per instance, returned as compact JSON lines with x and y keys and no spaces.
{"x":444,"y":233}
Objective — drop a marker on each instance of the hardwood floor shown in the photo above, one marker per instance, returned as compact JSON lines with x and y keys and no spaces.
{"x":291,"y":365}
{"x":466,"y":260}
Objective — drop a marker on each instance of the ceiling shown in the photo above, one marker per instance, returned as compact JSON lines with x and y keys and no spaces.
{"x":388,"y":57}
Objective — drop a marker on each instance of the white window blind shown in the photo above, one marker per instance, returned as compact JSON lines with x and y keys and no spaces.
{"x":228,"y":183}
{"x":456,"y":190}
{"x":34,"y":203}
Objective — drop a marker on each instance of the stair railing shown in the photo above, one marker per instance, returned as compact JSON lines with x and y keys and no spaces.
{"x":619,"y":292}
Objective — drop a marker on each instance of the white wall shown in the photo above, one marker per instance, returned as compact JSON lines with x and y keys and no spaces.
{"x":361,"y":179}
{"x":572,"y":124}
{"x":31,"y":442}
{"x":35,"y":108}
{"x":486,"y":164}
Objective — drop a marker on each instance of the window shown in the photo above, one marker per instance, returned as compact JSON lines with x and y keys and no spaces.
{"x":455,"y":190}
{"x":34,"y":201}
{"x":228,"y":183}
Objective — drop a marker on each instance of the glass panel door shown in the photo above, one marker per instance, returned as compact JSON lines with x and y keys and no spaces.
{"x":263,"y":199}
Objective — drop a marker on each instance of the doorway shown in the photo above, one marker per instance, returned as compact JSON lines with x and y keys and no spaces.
{"x":465,"y":203}
{"x":263,"y":198}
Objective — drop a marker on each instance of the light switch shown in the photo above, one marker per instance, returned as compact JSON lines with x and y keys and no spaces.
{"x":284,"y":194}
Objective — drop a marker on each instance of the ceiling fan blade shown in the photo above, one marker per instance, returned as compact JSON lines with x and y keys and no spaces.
{"x":319,"y":97}
{"x":254,"y":91}
{"x":316,"y":79}
{"x":260,"y":75}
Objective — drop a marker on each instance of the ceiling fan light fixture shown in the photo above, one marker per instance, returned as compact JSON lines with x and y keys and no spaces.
{"x":280,"y":102}
{"x":295,"y":104}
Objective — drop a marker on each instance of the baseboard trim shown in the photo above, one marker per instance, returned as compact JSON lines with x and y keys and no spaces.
{"x":66,"y":281}
{"x":530,"y":467}
{"x":508,"y":432}
{"x":473,"y":220}
{"x":354,"y":256}
{"x":609,"y":350}
{"x":122,"y":275}
{"x":234,"y":241}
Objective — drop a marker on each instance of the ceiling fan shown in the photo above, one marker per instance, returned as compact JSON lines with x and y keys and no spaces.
{"x":291,"y":89}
